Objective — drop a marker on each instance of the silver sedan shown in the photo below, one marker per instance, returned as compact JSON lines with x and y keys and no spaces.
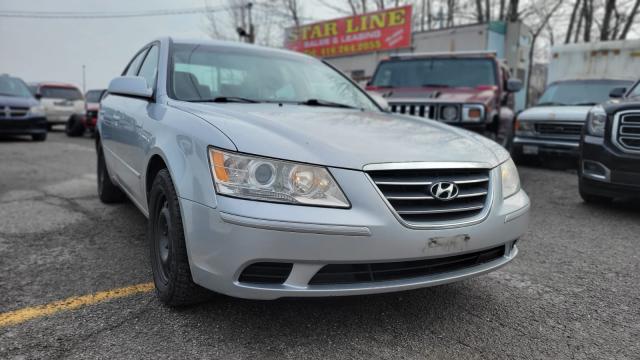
{"x":266,"y":173}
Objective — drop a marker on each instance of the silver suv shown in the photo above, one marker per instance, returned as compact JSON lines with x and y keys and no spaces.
{"x":266,"y":173}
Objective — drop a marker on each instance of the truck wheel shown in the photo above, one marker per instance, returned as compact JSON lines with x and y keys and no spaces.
{"x":169,"y":261}
{"x":74,"y":127}
{"x":108,"y":192}
{"x":591,"y":198}
{"x":39,"y":137}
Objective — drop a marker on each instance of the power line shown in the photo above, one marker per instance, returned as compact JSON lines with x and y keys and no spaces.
{"x":55,"y":15}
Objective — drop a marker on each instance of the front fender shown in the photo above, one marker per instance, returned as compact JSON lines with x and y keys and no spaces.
{"x":181,"y":139}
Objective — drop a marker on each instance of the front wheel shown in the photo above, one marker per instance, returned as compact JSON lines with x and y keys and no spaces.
{"x":39,"y":137}
{"x":591,"y":198}
{"x":169,"y":260}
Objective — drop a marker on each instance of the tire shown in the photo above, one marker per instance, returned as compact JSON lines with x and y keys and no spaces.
{"x":39,"y":137}
{"x":593,"y":199}
{"x":108,"y":192}
{"x":49,"y":127}
{"x":74,"y":127}
{"x":169,"y":260}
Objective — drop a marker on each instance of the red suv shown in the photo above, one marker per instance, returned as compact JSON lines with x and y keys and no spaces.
{"x":471,"y":90}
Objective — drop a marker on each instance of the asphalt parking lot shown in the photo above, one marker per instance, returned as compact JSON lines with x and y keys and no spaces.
{"x":573,"y":292}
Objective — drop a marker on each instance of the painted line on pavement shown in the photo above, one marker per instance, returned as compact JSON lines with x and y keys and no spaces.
{"x":21,"y":315}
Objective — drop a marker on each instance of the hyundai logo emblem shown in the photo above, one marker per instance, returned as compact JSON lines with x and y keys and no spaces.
{"x":444,"y":190}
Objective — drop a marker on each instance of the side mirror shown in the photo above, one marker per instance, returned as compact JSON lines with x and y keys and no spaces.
{"x":380,"y":100}
{"x":38,"y":96}
{"x":618,"y":92}
{"x":514,"y":85}
{"x":135,"y":86}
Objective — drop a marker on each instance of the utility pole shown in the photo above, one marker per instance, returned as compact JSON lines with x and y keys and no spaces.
{"x":252,"y":34}
{"x":84,"y":80}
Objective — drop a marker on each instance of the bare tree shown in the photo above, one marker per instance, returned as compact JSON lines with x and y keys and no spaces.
{"x":572,"y":20}
{"x":479,"y":13}
{"x":630,"y":19}
{"x":544,"y":12}
{"x":609,"y":8}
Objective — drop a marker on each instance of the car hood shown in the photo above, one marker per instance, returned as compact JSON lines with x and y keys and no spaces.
{"x":559,"y":113}
{"x":17,"y":101}
{"x":440,"y":95}
{"x":342,"y":137}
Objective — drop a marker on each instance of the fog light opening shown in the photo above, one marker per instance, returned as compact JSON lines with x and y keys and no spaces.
{"x":595,"y":170}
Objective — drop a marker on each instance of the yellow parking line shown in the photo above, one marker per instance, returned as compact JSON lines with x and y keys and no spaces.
{"x":74,"y":302}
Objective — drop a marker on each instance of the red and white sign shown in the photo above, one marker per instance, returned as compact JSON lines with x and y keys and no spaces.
{"x":376,"y":31}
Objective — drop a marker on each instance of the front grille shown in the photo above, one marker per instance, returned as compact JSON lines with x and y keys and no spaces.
{"x":359,"y":273}
{"x":628,"y":131}
{"x":266,"y":273}
{"x":561,"y":130}
{"x":409,"y":193}
{"x":421,"y":110}
{"x":8,"y":112}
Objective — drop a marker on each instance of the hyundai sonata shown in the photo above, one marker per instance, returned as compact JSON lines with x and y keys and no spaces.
{"x":266,"y":173}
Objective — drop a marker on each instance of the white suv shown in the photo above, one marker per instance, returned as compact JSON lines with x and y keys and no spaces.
{"x":61,"y":102}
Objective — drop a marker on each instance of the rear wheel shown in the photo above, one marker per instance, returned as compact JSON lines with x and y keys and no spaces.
{"x":39,"y":137}
{"x":108,"y":192}
{"x":169,"y":260}
{"x":74,"y":126}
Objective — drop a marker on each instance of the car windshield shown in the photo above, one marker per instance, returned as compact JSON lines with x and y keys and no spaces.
{"x":436,"y":72}
{"x":579,"y":92}
{"x":10,"y":86}
{"x":205,"y":73}
{"x":59,"y":92}
{"x":93,"y":96}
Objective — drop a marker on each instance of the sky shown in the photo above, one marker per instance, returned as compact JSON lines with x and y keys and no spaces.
{"x":56,"y":50}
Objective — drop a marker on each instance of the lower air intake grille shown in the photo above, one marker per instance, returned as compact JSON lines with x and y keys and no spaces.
{"x":266,"y":273}
{"x":410,"y":193}
{"x":358,"y":273}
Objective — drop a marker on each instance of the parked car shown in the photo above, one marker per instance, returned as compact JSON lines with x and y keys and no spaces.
{"x":77,"y":127}
{"x":293,"y":181}
{"x":20,"y":112}
{"x":610,"y":149}
{"x":62,"y":102}
{"x":553,"y":126}
{"x":472,"y":90}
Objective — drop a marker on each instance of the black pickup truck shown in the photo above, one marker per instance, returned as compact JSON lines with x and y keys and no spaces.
{"x":610,"y":148}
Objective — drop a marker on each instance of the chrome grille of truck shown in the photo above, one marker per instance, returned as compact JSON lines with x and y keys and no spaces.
{"x":409,"y":193}
{"x":560,"y":130}
{"x":627,"y":136}
{"x":7,"y":112}
{"x":422,"y":110}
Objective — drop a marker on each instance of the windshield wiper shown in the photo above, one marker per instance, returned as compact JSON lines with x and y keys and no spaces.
{"x":226,"y":99}
{"x":317,"y":102}
{"x":551,"y":103}
{"x":588,"y":103}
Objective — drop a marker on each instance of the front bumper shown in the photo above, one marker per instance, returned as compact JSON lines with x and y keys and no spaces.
{"x":535,"y":146}
{"x":222,"y":242}
{"x":27,"y":126}
{"x":617,"y":175}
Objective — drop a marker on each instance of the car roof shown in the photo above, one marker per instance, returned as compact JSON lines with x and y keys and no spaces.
{"x":238,"y":45}
{"x":56,"y":84}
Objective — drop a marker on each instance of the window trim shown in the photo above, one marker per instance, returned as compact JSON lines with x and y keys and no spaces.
{"x":155,"y":81}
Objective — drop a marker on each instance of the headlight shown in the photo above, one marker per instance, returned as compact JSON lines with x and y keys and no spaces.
{"x":596,"y":121}
{"x":449,"y":113}
{"x":265,"y":179}
{"x":523,"y":127}
{"x":37,"y":110}
{"x":510,"y":178}
{"x":473,"y":113}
